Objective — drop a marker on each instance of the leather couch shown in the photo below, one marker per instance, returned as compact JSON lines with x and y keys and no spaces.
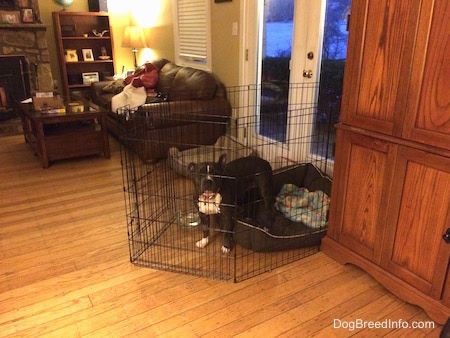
{"x":187,"y":108}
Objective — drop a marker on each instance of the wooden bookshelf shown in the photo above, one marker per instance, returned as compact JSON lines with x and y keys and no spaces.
{"x":74,"y":33}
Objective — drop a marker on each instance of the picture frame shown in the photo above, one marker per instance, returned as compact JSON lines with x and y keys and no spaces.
{"x":27,"y":15}
{"x":70,"y":55}
{"x":10,"y":17}
{"x":88,"y":55}
{"x":90,"y":77}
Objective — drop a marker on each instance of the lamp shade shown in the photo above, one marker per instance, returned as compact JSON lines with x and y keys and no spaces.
{"x":133,"y":37}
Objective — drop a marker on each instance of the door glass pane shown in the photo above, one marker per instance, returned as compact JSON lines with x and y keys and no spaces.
{"x":334,"y":52}
{"x":276,"y":56}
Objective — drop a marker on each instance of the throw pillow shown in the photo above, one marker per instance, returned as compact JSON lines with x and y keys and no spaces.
{"x":150,"y":79}
{"x":147,"y":73}
{"x":114,"y":87}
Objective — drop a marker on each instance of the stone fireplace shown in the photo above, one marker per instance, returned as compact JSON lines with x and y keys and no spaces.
{"x":28,"y":40}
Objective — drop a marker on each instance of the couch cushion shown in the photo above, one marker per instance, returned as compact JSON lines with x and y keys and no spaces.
{"x":192,"y":84}
{"x":166,"y":77}
{"x":114,"y":87}
{"x":159,"y":63}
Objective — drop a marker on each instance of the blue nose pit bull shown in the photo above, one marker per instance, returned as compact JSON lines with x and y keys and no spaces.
{"x":219,"y":186}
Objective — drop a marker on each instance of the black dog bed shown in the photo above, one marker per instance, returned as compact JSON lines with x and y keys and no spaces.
{"x":285,"y":233}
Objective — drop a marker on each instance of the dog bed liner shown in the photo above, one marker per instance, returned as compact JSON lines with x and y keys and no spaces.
{"x":285,"y":234}
{"x":180,"y":160}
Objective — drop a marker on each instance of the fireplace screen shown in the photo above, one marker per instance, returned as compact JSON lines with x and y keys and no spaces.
{"x":14,"y":83}
{"x":15,"y":76}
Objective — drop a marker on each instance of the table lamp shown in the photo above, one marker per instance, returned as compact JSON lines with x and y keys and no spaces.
{"x":134,"y":37}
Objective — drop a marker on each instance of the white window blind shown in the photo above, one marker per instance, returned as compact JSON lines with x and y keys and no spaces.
{"x":192,"y":31}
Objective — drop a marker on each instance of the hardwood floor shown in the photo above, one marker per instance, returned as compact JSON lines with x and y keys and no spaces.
{"x":65,"y":271}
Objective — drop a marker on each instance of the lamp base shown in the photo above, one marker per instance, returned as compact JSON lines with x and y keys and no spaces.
{"x":135,"y":57}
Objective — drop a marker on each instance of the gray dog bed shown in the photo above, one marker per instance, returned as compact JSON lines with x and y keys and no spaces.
{"x":180,"y":160}
{"x":285,"y":234}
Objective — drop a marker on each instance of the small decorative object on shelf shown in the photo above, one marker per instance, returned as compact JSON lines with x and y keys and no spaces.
{"x":68,"y":30}
{"x":104,"y":54}
{"x":64,"y":3}
{"x":100,"y":34}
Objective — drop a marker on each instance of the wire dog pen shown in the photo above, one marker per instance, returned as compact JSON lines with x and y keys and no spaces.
{"x":163,"y":220}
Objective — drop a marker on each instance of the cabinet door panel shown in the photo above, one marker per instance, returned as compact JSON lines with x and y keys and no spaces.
{"x":377,"y":71}
{"x":417,"y":252}
{"x":428,"y":107}
{"x":359,"y":210}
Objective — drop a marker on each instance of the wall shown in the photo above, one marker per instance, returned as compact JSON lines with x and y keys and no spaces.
{"x":156,"y":17}
{"x":159,"y":31}
{"x":46,"y":8}
{"x":225,"y":46}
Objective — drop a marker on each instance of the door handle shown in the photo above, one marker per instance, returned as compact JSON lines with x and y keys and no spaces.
{"x":308,"y":73}
{"x":446,"y":236}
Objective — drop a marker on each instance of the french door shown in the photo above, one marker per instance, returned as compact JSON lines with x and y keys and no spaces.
{"x":283,"y":45}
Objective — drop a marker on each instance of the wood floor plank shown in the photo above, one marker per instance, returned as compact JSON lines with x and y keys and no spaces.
{"x":164,"y":319}
{"x":19,"y":325}
{"x":69,"y":286}
{"x":185,"y":299}
{"x":326,"y":318}
{"x":279,"y":322}
{"x":260,"y":306}
{"x":65,"y":270}
{"x":379,"y":310}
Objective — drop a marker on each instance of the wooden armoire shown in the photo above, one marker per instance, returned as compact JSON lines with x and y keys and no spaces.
{"x":390,"y":212}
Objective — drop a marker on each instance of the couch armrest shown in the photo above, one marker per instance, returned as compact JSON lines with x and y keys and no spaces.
{"x":98,"y":96}
{"x":97,"y":88}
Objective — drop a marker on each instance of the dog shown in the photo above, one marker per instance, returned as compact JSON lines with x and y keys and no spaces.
{"x":218,"y":187}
